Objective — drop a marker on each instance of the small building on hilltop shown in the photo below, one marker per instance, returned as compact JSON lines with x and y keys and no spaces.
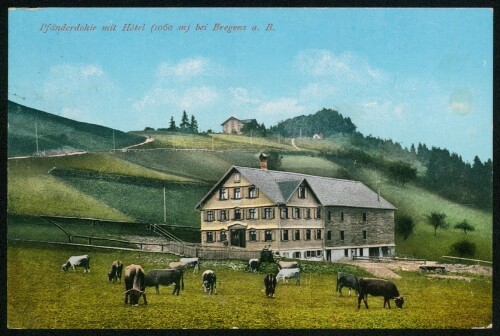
{"x":234,"y":125}
{"x":296,"y":215}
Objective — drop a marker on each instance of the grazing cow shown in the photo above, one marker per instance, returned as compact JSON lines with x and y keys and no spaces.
{"x":253,"y":265}
{"x":116,"y":271}
{"x":270,"y":283}
{"x":74,"y":261}
{"x":379,"y":287}
{"x":287,"y":264}
{"x":165,"y":277}
{"x":134,"y":284}
{"x":289,"y":273}
{"x":192,"y":263}
{"x":209,"y":280}
{"x":347,"y":280}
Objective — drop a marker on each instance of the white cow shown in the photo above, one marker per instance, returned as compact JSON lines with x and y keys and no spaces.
{"x":192,"y":262}
{"x":289,"y":273}
{"x":82,"y":261}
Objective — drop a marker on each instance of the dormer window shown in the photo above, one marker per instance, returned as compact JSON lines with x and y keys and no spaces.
{"x":237,"y":178}
{"x":302,"y":192}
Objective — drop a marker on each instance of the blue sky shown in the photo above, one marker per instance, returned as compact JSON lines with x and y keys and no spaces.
{"x":412,"y":75}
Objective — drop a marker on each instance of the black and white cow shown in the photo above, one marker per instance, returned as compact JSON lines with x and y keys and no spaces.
{"x":289,"y":273}
{"x":134,"y":284}
{"x":193,"y":263}
{"x":253,"y":265}
{"x":347,"y":280}
{"x":379,"y":287}
{"x":115,"y":273}
{"x":209,"y":282}
{"x":80,"y":261}
{"x":270,"y":283}
{"x":165,"y":277}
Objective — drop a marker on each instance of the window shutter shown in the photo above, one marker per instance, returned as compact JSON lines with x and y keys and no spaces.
{"x":242,"y":214}
{"x":272,"y":213}
{"x":256,"y":192}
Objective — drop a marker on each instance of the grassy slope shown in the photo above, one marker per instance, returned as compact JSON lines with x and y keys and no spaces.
{"x":33,"y":191}
{"x":210,"y":166}
{"x":90,"y":301}
{"x":56,"y":132}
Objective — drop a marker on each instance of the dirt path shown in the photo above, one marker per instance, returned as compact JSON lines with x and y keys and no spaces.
{"x":294,"y":145}
{"x":387,"y":269}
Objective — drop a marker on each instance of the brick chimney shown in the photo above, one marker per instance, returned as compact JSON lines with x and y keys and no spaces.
{"x":263,"y":161}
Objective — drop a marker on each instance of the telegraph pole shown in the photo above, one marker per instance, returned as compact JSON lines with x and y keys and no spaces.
{"x":36,"y":135}
{"x":164,"y":206}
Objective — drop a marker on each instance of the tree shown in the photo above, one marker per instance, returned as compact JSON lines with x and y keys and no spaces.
{"x":194,"y":125}
{"x":464,"y":248}
{"x":172,"y":127}
{"x":274,"y":161}
{"x":464,"y":225}
{"x":184,"y":125}
{"x":402,"y":171}
{"x":404,"y":226}
{"x":437,"y":221}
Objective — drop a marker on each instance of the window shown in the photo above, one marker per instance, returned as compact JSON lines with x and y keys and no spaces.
{"x":223,"y":194}
{"x":284,"y":213}
{"x":252,"y":192}
{"x":210,"y":216}
{"x":318,"y":234}
{"x":364,"y":234}
{"x":223,"y":215}
{"x":308,"y":234}
{"x":342,"y":216}
{"x":318,"y":253}
{"x":364,"y":216}
{"x":223,"y":236}
{"x":210,"y":237}
{"x":329,"y":235}
{"x":252,"y":213}
{"x":346,"y":252}
{"x":284,"y":236}
{"x":329,"y":215}
{"x":296,"y":213}
{"x":318,"y":213}
{"x":310,"y":254}
{"x":253,"y":235}
{"x":268,"y":235}
{"x":342,"y":235}
{"x":297,"y":255}
{"x":302,"y":192}
{"x":360,"y":252}
{"x":268,"y":213}
{"x":238,"y":215}
{"x":307,"y":213}
{"x":237,"y":193}
{"x":296,"y":235}
{"x":237,"y":178}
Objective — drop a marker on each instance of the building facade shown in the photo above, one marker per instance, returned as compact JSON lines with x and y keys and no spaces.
{"x":234,"y":125}
{"x":296,"y":215}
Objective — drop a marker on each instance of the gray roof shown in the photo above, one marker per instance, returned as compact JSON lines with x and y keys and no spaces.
{"x":279,"y":187}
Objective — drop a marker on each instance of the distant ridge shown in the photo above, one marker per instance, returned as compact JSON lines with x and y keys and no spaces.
{"x":28,"y":127}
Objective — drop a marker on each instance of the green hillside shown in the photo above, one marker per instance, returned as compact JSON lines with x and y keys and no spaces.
{"x":53,"y":133}
{"x":128,"y":185}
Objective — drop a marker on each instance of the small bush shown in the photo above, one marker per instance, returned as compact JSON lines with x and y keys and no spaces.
{"x":464,"y":248}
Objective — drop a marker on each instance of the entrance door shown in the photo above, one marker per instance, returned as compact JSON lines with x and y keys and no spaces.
{"x":328,"y":255}
{"x":238,"y":237}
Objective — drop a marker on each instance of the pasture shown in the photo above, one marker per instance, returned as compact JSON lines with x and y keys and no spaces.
{"x":40,"y":296}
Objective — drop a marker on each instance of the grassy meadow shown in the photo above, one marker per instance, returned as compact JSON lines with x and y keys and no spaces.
{"x":74,"y":300}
